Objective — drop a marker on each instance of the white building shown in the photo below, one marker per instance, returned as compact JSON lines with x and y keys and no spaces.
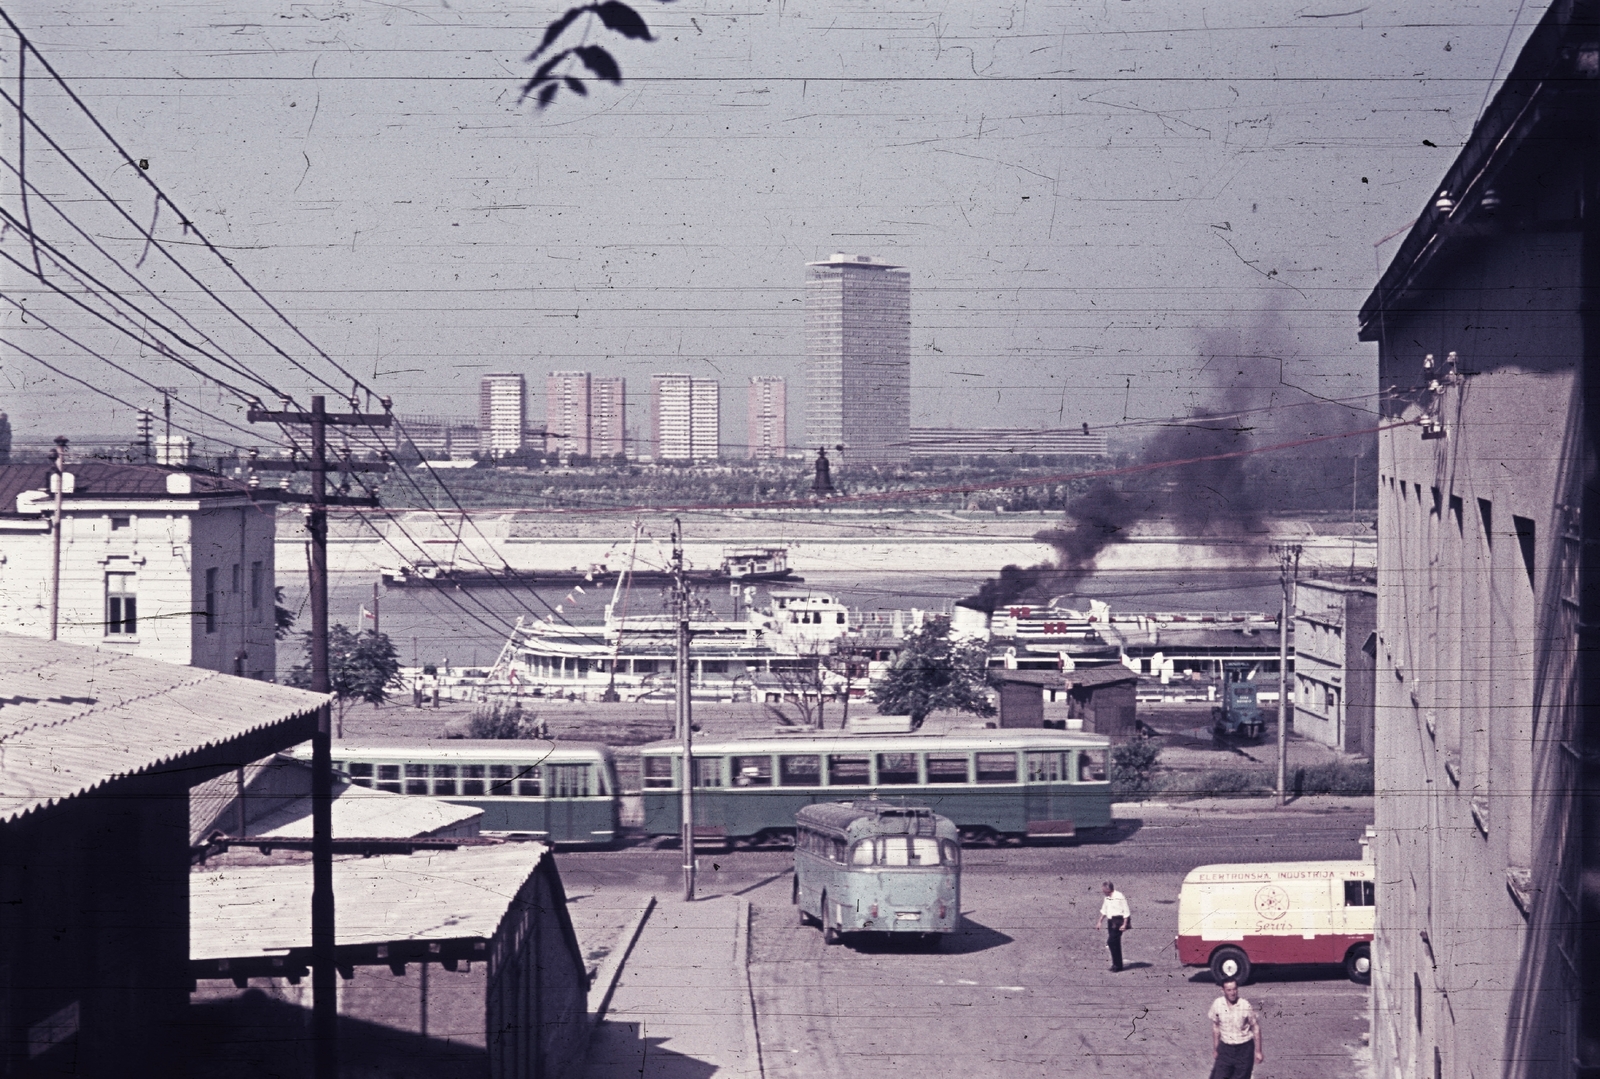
{"x":608,"y":413}
{"x":768,"y":417}
{"x":567,"y":413}
{"x":858,"y":358}
{"x":175,"y":566}
{"x":502,"y":414}
{"x":1335,"y":642}
{"x":686,"y":417}
{"x":705,"y":405}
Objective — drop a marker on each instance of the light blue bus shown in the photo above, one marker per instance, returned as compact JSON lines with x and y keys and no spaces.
{"x":877,"y":867}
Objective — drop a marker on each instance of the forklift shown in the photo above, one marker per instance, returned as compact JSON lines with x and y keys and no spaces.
{"x":1238,"y":716}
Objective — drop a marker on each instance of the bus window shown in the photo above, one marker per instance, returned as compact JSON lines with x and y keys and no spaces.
{"x":836,"y":850}
{"x":1048,"y":767}
{"x":444,"y":779}
{"x":389,"y":778}
{"x":752,"y":771}
{"x":528,"y":781}
{"x":997,"y":767}
{"x":708,"y":771}
{"x":1091,"y":766}
{"x":862,"y":853}
{"x":500,"y":776}
{"x":947,"y":768}
{"x":897,"y":768}
{"x":472,"y":779}
{"x":950,"y":851}
{"x":569,"y":780}
{"x":361,"y":774}
{"x":800,"y":771}
{"x":416,"y":779}
{"x":904,"y":851}
{"x":1359,"y":893}
{"x":847,"y":771}
{"x":658,"y":773}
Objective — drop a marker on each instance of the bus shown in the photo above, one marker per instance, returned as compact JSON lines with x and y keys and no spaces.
{"x":996,"y":785}
{"x":877,"y":867}
{"x":559,"y":792}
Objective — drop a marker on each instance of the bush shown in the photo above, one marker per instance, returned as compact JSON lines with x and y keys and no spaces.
{"x":498,"y":721}
{"x":1133,"y":765}
{"x":1334,"y":777}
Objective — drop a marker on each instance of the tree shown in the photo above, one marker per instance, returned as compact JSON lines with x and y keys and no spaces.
{"x":498,"y":721}
{"x":282,"y":617}
{"x":934,"y":671}
{"x":361,"y":667}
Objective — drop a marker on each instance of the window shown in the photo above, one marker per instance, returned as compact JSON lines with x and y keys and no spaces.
{"x":500,"y":776}
{"x":997,"y":767}
{"x":847,"y":770}
{"x":528,"y":785}
{"x":713,"y":666}
{"x":897,"y":768}
{"x":569,"y":780}
{"x":1360,"y":893}
{"x":361,"y":774}
{"x":1091,"y":766}
{"x":947,"y":768}
{"x":122,"y":606}
{"x":211,"y":601}
{"x":444,"y":779}
{"x":472,"y":779}
{"x":658,"y":773}
{"x":234,"y":580}
{"x":119,"y":523}
{"x":752,"y":771}
{"x":800,"y":771}
{"x":258,"y":578}
{"x":389,"y":778}
{"x":708,"y":771}
{"x":416,"y":775}
{"x":904,"y":852}
{"x":1048,"y":767}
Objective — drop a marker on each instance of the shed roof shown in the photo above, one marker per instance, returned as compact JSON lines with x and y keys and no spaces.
{"x":247,"y":911}
{"x":73,"y":718}
{"x":361,"y":813}
{"x":1100,"y":676}
{"x":105,"y":479}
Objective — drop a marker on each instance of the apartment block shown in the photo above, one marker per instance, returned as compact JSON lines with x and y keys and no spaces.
{"x":608,"y":414}
{"x":858,"y":358}
{"x":567,"y":402}
{"x":502,"y":414}
{"x":768,"y":417}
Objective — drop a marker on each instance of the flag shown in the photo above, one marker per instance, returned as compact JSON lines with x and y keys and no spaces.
{"x":365,"y":613}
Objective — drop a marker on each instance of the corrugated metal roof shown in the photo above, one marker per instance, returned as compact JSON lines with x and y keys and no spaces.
{"x":75,"y":718}
{"x":360,"y":813}
{"x":435,"y":895}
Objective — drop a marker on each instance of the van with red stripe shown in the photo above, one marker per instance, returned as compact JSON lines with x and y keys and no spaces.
{"x":1233,"y":918}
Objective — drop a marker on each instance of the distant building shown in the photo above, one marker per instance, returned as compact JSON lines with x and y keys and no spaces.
{"x":685,"y":417}
{"x":175,"y":566}
{"x":769,"y":414}
{"x":1335,"y":640}
{"x":1004,"y":441}
{"x":608,"y":414}
{"x":858,"y":366}
{"x":1486,"y":960}
{"x":502,"y":414}
{"x":566,"y":411}
{"x":439,"y":438}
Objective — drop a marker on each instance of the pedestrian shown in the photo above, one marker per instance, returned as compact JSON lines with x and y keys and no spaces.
{"x":1117,"y":918}
{"x":1236,"y":1046}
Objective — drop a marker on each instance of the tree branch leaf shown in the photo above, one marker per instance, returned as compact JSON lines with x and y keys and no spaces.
{"x":623,"y":19}
{"x":600,"y":62}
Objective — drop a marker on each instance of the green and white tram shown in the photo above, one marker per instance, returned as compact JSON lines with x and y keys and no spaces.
{"x":560,"y":792}
{"x":994,"y":784}
{"x":877,"y":867}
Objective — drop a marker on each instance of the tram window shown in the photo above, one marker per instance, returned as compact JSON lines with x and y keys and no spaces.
{"x":389,"y":778}
{"x":1091,"y":766}
{"x":946,"y":768}
{"x":997,"y":767}
{"x":472,"y":779}
{"x":413,"y":784}
{"x":847,"y":771}
{"x":897,"y":768}
{"x":444,"y":779}
{"x":1047,"y":767}
{"x":800,"y":771}
{"x":752,"y":771}
{"x":361,"y":774}
{"x":1359,"y":893}
{"x":708,"y":771}
{"x":658,"y":772}
{"x":569,"y":780}
{"x":416,"y":771}
{"x":500,"y":776}
{"x":528,"y":781}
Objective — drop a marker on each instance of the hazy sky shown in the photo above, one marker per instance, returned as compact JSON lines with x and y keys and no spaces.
{"x":1094,"y":200}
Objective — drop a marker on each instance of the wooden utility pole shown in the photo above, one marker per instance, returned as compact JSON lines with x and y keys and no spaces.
{"x":377,"y":625}
{"x":55,"y":537}
{"x":1288,"y":575}
{"x":680,"y":595}
{"x":324,"y":984}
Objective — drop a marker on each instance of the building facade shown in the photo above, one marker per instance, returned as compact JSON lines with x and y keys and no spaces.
{"x":1335,"y":642}
{"x":175,"y":566}
{"x":1487,"y":738}
{"x":608,"y":418}
{"x":502,"y":414}
{"x":566,"y":412}
{"x":685,"y":418}
{"x":1004,"y":442}
{"x":858,"y":358}
{"x":768,"y":418}
{"x":439,"y":438}
{"x":705,"y":406}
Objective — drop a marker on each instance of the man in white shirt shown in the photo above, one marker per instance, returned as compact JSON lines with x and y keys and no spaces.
{"x":1117,"y":918}
{"x":1236,"y":1045}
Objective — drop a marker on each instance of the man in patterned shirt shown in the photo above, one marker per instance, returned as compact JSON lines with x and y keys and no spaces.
{"x":1236,"y":1044}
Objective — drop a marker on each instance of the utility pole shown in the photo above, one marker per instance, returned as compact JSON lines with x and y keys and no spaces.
{"x":324,"y":984}
{"x":1288,"y":574}
{"x":376,"y":624}
{"x":55,"y":536}
{"x":680,"y":595}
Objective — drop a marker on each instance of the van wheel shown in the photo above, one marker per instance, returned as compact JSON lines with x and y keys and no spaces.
{"x":1230,"y":964}
{"x":830,"y":932}
{"x":1358,"y":964}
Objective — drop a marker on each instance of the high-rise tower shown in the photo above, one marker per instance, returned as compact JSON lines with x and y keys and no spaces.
{"x":858,"y":358}
{"x":608,"y":412}
{"x":566,"y":412}
{"x":768,"y":424}
{"x":686,"y":417}
{"x":502,"y":413}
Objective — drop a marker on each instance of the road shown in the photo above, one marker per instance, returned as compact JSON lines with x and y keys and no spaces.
{"x":1024,"y":989}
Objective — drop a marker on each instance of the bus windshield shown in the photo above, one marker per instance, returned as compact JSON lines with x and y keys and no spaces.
{"x":900,"y":851}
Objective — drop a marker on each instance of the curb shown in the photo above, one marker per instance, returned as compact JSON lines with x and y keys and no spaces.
{"x":741,"y":960}
{"x":611,"y":967}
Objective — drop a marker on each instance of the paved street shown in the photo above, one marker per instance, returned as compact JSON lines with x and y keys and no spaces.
{"x":1024,"y":989}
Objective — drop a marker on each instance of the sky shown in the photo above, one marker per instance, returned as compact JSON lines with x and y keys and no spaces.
{"x":1102,"y":205}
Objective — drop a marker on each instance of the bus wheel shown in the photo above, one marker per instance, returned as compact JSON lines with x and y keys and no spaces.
{"x":932,"y":941}
{"x":1358,"y":964}
{"x":830,"y":932}
{"x":1230,"y":964}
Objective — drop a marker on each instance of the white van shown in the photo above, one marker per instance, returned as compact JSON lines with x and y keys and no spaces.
{"x":1234,"y":917}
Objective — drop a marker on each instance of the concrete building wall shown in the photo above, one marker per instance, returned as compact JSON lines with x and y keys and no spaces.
{"x":567,"y":410}
{"x":858,"y":367}
{"x":768,"y":412}
{"x":1333,"y":692}
{"x":608,"y":415}
{"x":502,"y":413}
